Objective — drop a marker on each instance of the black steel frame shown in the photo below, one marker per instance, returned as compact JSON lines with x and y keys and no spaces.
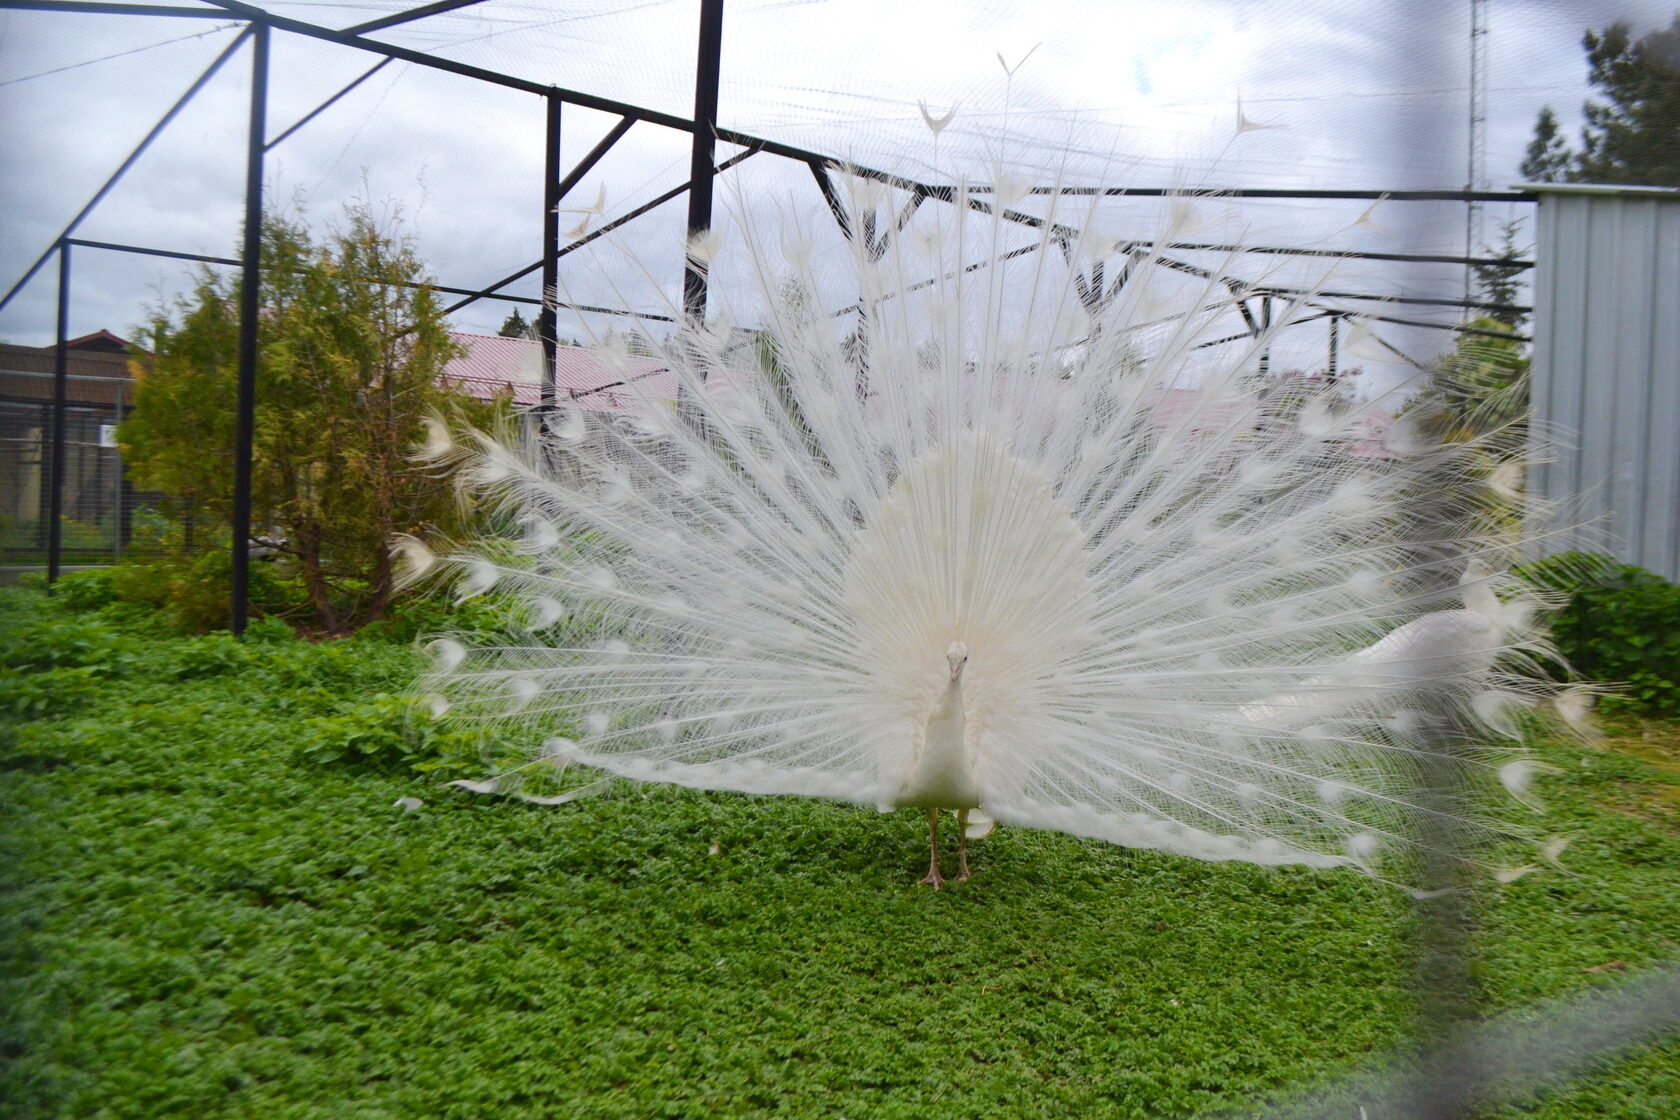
{"x":1452,"y":1095}
{"x":703,"y":170}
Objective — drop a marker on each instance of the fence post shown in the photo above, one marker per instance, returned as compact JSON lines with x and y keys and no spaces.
{"x":61,"y":380}
{"x":703,"y":154}
{"x":250,"y":308}
{"x":548,"y":319}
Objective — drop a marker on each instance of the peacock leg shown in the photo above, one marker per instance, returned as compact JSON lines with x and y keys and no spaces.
{"x":933,"y":878}
{"x":962,"y":845}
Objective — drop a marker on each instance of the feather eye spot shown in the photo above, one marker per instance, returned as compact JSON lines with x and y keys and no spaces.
{"x":447,"y":654}
{"x":522,"y":691}
{"x":1362,"y":847}
{"x":543,"y":611}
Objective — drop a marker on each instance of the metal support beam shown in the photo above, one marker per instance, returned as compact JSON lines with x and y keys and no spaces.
{"x":548,"y":319}
{"x":650,"y":204}
{"x":250,"y":309}
{"x":328,"y":103}
{"x":702,"y":153}
{"x":1266,"y":329}
{"x":819,"y":172}
{"x":588,"y":162}
{"x":1248,"y":318}
{"x":877,"y":246}
{"x":61,"y":377}
{"x":139,"y":149}
{"x":173,"y":254}
{"x":412,"y":14}
{"x":1335,"y":347}
{"x":1268,"y":192}
{"x":101,"y":9}
{"x":1338,"y":254}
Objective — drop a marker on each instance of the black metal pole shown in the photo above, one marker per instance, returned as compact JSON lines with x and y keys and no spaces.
{"x":700,"y":169}
{"x":139,"y":150}
{"x":250,"y":307}
{"x":1266,"y":326}
{"x":547,"y":319}
{"x":1335,"y":345}
{"x":61,"y":380}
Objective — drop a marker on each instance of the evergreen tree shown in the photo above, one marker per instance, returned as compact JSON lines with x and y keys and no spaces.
{"x":1547,"y":159}
{"x":1502,"y":282}
{"x":515,"y":326}
{"x":352,"y":348}
{"x":1632,"y":135}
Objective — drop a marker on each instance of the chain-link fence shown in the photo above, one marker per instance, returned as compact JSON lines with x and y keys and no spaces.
{"x":99,"y":503}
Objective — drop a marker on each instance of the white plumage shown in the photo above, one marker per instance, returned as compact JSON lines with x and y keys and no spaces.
{"x":1004,"y":549}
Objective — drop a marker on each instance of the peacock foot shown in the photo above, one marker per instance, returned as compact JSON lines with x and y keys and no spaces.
{"x":933,"y":878}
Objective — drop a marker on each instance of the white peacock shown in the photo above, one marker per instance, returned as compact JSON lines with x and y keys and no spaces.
{"x":1007,"y":553}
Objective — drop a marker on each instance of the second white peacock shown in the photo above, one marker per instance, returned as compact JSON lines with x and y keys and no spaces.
{"x":988,"y":544}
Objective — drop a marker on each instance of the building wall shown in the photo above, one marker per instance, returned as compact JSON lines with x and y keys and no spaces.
{"x":1606,"y":374}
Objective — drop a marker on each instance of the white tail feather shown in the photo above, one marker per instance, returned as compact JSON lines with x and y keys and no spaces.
{"x":1197,"y":619}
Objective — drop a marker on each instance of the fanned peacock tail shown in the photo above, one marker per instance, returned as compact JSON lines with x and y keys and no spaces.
{"x":1196,"y":619}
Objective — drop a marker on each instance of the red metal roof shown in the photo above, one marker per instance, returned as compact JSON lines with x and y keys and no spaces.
{"x":493,"y":365}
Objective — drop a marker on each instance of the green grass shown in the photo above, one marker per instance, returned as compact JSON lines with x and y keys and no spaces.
{"x":201,"y":921}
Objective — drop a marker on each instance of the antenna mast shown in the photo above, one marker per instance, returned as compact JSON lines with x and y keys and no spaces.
{"x":1477,"y":161}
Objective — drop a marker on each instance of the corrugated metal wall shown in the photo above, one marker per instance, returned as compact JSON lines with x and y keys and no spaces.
{"x":1606,"y":375}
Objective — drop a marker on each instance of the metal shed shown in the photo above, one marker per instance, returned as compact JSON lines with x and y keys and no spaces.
{"x":1606,"y":373}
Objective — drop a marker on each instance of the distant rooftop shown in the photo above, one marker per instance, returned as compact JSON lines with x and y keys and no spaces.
{"x":494,"y":365}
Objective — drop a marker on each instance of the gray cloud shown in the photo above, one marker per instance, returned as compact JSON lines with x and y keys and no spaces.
{"x":1367,"y":95}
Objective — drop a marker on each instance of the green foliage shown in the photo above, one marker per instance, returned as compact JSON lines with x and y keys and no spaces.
{"x":35,"y":695}
{"x":56,"y":641}
{"x":1547,"y":157}
{"x":1621,"y":626}
{"x":190,"y":592}
{"x":1480,"y":391}
{"x":352,"y":348}
{"x":515,"y":326}
{"x":1633,"y":134}
{"x":392,"y":734}
{"x":419,"y":615}
{"x":87,"y":590}
{"x":202,"y":919}
{"x":1501,"y":283}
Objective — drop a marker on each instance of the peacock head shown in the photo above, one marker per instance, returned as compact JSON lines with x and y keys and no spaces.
{"x":957,"y":657}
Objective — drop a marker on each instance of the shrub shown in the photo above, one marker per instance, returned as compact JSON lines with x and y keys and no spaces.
{"x":52,"y":642}
{"x":38,"y":695}
{"x":1621,"y":625}
{"x":212,"y":655}
{"x":86,"y":590}
{"x":191,"y":592}
{"x":391,"y":733}
{"x":419,"y":615}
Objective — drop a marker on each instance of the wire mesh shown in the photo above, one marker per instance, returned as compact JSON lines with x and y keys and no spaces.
{"x":1297,"y":95}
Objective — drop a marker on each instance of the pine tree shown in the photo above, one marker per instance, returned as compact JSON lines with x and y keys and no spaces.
{"x":515,"y":326}
{"x":1547,"y":159}
{"x":1501,"y":283}
{"x":1633,"y":134}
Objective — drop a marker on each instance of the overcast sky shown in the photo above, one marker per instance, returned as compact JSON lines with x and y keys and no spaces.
{"x":1369,"y":94}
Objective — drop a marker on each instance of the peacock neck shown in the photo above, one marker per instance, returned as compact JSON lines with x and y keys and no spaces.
{"x":942,"y":776}
{"x":950,"y":701}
